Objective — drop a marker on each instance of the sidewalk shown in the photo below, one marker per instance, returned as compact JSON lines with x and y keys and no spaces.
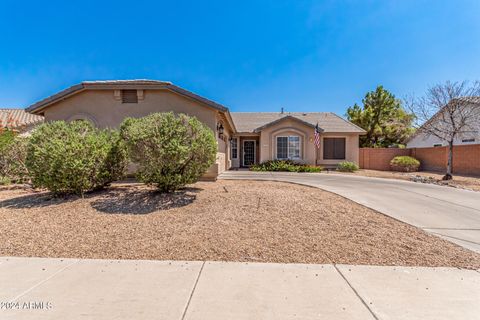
{"x":130,"y":289}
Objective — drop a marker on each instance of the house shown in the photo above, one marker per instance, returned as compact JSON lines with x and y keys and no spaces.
{"x":423,"y":140}
{"x":243,"y":138}
{"x":19,"y":120}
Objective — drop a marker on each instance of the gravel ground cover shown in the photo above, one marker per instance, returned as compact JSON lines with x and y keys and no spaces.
{"x":227,"y":220}
{"x":459,"y":181}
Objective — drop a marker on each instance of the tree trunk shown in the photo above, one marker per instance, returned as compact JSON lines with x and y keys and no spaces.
{"x":449,"y":176}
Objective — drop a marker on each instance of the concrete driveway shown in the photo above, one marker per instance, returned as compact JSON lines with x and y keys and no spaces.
{"x":453,"y":214}
{"x":39,"y":288}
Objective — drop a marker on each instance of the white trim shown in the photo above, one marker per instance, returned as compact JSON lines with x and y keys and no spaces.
{"x":231,"y":149}
{"x":254,"y":152}
{"x":300,"y":150}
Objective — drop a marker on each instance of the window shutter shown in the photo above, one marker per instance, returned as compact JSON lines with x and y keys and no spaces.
{"x":339,"y":151}
{"x":328,"y":144}
{"x":334,"y":148}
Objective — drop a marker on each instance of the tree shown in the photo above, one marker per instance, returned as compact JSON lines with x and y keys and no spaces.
{"x":448,"y":112}
{"x":387,"y":123}
{"x":170,"y":150}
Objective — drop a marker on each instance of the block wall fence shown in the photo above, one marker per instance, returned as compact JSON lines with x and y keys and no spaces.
{"x":466,"y":158}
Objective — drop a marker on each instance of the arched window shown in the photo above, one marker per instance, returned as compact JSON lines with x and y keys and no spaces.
{"x":83,"y":117}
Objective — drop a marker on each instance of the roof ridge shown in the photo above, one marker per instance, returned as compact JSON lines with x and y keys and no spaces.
{"x":287,"y":112}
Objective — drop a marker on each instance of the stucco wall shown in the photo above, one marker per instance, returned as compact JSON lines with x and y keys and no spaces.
{"x":351,"y":148}
{"x":287,"y":128}
{"x":101,"y":107}
{"x":308,"y":151}
{"x":423,"y":141}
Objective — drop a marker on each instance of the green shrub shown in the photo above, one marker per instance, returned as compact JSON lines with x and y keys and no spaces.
{"x":170,"y":150}
{"x":13,"y":161}
{"x":73,"y":158}
{"x":5,"y":181}
{"x":284,"y":165}
{"x":7,"y":137}
{"x":347,"y":166}
{"x":404,"y":163}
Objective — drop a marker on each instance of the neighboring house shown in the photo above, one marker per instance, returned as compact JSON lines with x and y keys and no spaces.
{"x":265,"y":136}
{"x":422,"y":140}
{"x":243,"y":138}
{"x":19,"y":120}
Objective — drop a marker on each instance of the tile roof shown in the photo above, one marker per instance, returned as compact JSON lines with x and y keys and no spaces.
{"x":17,"y":118}
{"x":328,"y":121}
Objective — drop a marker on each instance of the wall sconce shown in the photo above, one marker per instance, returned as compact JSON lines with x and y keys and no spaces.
{"x":220,"y":130}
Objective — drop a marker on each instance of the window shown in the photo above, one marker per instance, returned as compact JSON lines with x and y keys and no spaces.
{"x":234,"y":147}
{"x":334,"y":148}
{"x":437,"y":145}
{"x":288,"y":147}
{"x":469,"y":140}
{"x":129,"y":96}
{"x":293,"y":147}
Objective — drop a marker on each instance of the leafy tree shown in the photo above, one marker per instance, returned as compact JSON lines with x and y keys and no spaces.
{"x":383,"y":117}
{"x":170,"y":150}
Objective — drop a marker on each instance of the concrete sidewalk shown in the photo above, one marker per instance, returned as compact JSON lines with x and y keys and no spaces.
{"x":453,"y":214}
{"x":39,"y":288}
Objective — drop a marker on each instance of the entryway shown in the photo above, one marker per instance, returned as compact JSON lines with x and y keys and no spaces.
{"x":249,"y":154}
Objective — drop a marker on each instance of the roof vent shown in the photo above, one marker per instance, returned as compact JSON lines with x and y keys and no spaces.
{"x":129,"y":96}
{"x":281,"y":110}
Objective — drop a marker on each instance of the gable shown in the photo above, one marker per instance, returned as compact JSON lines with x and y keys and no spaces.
{"x":105,"y":110}
{"x":288,"y":121}
{"x":327,"y":121}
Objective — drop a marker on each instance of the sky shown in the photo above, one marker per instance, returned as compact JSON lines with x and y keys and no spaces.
{"x":247,"y":55}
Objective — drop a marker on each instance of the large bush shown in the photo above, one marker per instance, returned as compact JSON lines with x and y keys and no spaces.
{"x":347,"y":166}
{"x":404,"y":163}
{"x":284,"y":165}
{"x":170,"y":150}
{"x":74,"y":157}
{"x":7,"y":137}
{"x":13,"y":161}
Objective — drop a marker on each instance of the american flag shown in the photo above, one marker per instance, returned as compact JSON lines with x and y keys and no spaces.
{"x":317,"y":136}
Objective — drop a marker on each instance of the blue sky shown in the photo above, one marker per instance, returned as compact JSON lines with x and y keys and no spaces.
{"x":247,"y":55}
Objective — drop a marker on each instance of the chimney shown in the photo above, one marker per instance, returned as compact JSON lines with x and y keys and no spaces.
{"x":281,"y":110}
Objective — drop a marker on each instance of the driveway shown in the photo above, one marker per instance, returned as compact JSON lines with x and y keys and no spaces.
{"x":453,"y":214}
{"x":40,"y":288}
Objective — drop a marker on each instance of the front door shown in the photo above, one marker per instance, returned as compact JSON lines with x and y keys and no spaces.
{"x":248,"y":152}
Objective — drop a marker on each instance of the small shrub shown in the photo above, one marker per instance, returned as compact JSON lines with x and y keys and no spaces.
{"x":347,"y":166}
{"x":284,"y":165}
{"x":5,"y":181}
{"x":306,"y":168}
{"x":13,"y":161}
{"x":405,"y":164}
{"x":73,"y":158}
{"x":170,"y":150}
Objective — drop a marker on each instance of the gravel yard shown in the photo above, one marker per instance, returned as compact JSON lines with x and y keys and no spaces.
{"x":227,"y":220}
{"x":459,"y":181}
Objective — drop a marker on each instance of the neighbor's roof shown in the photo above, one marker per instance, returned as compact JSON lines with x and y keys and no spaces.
{"x":327,"y":121}
{"x":16,"y":118}
{"x":121,"y":84}
{"x":471,"y":99}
